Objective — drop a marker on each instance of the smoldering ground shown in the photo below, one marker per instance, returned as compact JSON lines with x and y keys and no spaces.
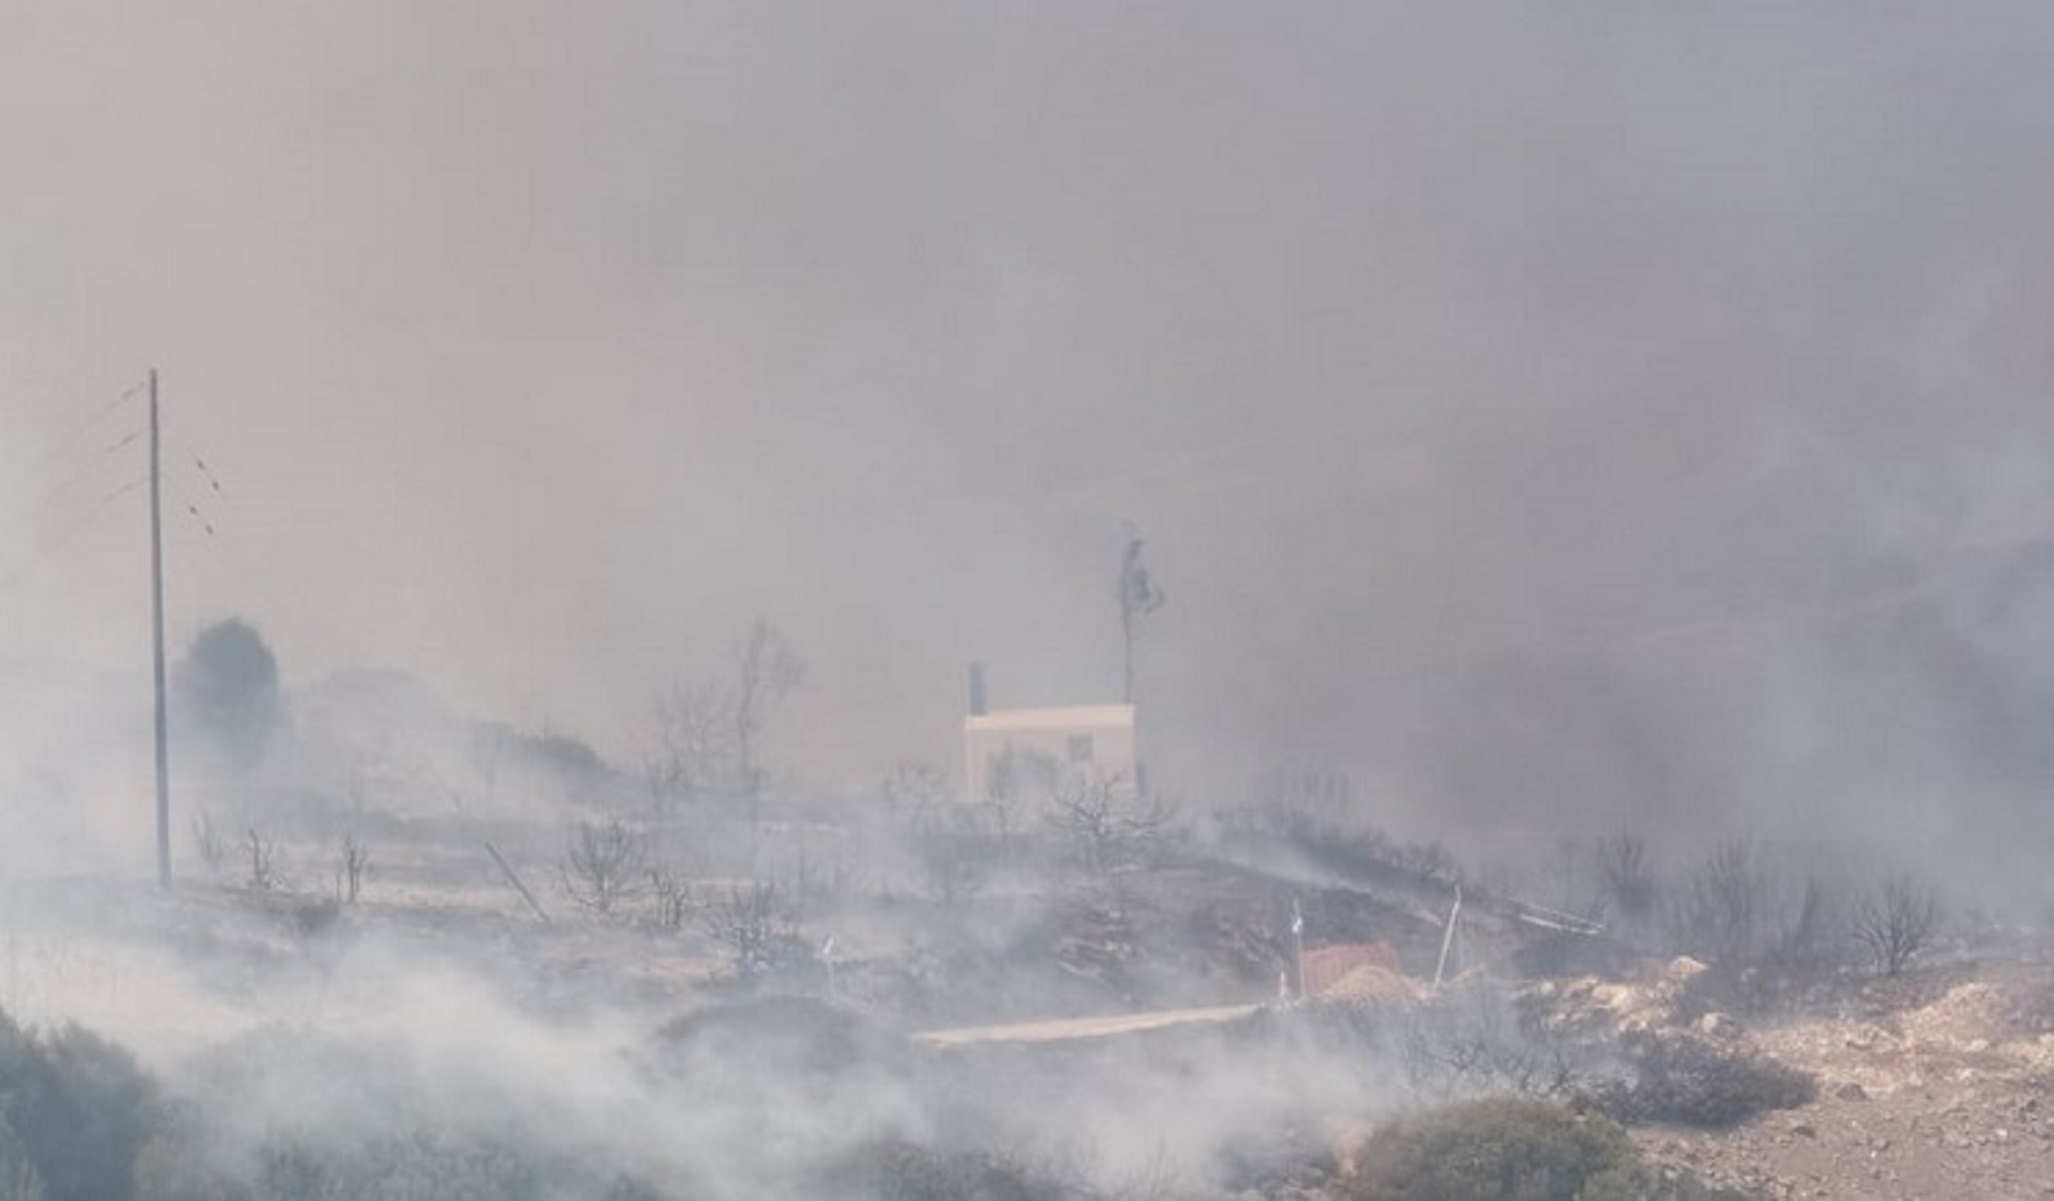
{"x":764,"y":991}
{"x":437,"y":1028}
{"x":396,"y":1042}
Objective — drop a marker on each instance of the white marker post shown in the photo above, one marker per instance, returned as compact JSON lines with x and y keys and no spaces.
{"x":1448,"y":938}
{"x":1298,"y":943}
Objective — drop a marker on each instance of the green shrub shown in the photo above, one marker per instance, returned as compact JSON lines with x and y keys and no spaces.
{"x":78,"y":1109}
{"x":1510,"y":1149}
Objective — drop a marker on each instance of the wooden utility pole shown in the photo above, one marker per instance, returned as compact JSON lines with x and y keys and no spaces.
{"x":157,"y":646}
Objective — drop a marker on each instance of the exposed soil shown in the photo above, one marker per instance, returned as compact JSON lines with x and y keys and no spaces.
{"x":1934,"y":1085}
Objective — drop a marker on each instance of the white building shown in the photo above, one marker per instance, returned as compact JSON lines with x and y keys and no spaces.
{"x":1044,"y":748}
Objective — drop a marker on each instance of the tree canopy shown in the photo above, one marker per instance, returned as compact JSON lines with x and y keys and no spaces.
{"x":228,"y":685}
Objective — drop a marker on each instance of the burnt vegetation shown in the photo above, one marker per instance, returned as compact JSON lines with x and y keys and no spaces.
{"x":819,"y":988}
{"x":1894,"y":921}
{"x":604,"y":865}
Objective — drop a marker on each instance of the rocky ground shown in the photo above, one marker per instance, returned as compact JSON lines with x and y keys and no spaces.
{"x":1932,"y":1085}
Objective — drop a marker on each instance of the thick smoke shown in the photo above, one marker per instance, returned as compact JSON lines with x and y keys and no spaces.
{"x":1560,"y":422}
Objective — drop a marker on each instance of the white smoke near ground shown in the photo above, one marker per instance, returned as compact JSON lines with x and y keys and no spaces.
{"x":1562,"y":423}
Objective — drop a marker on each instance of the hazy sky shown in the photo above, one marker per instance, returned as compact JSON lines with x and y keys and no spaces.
{"x":540,"y":347}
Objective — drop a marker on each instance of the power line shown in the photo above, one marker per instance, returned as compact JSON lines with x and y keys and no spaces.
{"x":191,"y":507}
{"x":55,"y":494}
{"x":199,"y":462}
{"x":100,"y":414}
{"x":78,"y":433}
{"x":55,"y":497}
{"x":206,"y":471}
{"x":57,"y":543}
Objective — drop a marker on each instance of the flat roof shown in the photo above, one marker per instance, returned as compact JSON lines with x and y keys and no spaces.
{"x":1067,"y":717}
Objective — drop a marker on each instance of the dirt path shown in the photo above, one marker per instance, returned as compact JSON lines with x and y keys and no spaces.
{"x":1093,"y":1027}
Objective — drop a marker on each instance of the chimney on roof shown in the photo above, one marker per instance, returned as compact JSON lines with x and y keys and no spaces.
{"x":978,"y":708}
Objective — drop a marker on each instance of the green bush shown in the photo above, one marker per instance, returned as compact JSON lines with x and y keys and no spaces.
{"x":77,"y":1111}
{"x":1510,"y":1149}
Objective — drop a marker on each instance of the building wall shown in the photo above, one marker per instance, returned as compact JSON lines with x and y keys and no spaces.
{"x":1083,"y":743}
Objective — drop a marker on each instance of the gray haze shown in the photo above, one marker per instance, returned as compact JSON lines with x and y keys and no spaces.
{"x":1561,"y":407}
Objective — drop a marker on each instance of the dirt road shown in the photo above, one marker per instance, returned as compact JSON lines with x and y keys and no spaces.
{"x":1072,"y":1028}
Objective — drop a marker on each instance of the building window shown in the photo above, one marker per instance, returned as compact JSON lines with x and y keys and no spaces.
{"x":1080,"y":748}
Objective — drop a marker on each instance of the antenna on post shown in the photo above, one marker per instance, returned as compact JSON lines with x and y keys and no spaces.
{"x":157,"y":645}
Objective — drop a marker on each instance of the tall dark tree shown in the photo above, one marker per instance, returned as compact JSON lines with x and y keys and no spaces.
{"x":228,"y":688}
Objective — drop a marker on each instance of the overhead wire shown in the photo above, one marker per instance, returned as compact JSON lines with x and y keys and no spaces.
{"x":62,"y":494}
{"x":56,"y":493}
{"x":78,"y":433}
{"x":208,"y":472}
{"x":191,"y":507}
{"x":193,"y":483}
{"x":199,"y":461}
{"x":50,"y":507}
{"x":57,"y":543}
